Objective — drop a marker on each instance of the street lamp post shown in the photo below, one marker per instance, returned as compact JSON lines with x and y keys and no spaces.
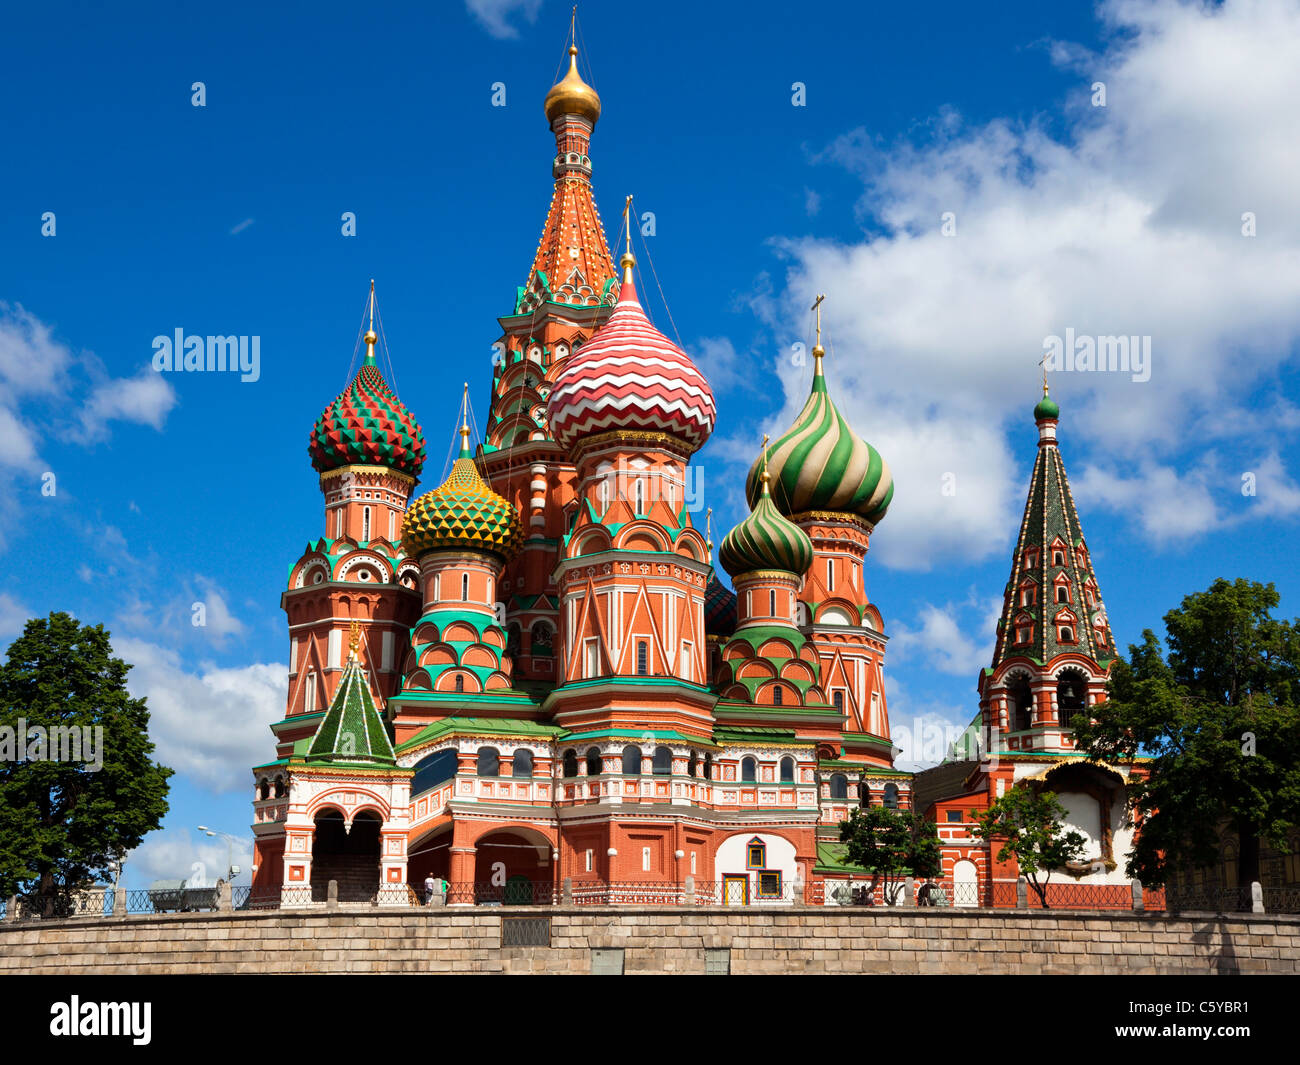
{"x":232,"y":870}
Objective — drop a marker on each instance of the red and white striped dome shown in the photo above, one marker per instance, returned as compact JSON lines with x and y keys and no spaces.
{"x":630,"y":376}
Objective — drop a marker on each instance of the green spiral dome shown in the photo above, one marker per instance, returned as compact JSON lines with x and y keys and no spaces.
{"x":821,"y":464}
{"x":766,"y":540}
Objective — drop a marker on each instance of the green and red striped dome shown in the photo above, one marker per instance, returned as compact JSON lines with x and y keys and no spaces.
{"x":766,"y":541}
{"x":367,"y":426}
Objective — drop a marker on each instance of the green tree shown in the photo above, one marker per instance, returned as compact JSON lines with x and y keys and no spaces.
{"x":1218,"y":718}
{"x":1028,"y":822}
{"x":891,"y":845}
{"x":62,"y":822}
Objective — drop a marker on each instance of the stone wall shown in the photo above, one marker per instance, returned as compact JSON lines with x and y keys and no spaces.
{"x":454,"y":940}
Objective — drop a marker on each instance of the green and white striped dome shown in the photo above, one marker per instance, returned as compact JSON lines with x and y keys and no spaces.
{"x":821,"y":464}
{"x":766,"y":540}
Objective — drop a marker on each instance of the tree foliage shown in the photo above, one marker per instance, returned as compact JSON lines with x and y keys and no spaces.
{"x":1217,"y":715}
{"x":891,"y":845}
{"x":62,"y":822}
{"x":1028,"y":821}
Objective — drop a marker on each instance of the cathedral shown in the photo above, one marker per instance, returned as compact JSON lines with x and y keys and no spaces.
{"x":531,"y":680}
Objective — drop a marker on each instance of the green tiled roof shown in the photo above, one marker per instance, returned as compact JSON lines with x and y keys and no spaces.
{"x":352,"y":730}
{"x":483,"y":726}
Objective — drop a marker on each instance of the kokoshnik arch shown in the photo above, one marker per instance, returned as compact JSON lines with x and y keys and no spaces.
{"x":544,"y":677}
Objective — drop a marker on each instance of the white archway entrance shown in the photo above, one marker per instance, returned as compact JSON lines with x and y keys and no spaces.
{"x":965,"y":883}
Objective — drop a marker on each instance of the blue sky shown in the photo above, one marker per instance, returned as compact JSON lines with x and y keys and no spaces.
{"x":225,"y":219}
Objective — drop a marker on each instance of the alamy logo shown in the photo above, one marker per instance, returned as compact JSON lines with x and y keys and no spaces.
{"x":195,"y":354}
{"x":102,"y":1018}
{"x":58,"y":743}
{"x":1130,"y":355}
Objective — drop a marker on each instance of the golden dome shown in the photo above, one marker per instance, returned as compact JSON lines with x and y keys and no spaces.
{"x":571,"y":95}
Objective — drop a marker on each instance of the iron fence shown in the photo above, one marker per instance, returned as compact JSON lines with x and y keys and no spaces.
{"x":1210,"y":900}
{"x":512,"y":893}
{"x":1282,"y":900}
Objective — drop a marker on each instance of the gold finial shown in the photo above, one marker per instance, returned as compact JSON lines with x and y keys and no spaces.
{"x":370,"y":336}
{"x":1043,"y":363}
{"x":628,"y":260}
{"x":355,"y":642}
{"x":370,"y":333}
{"x":766,"y":477}
{"x":573,"y":31}
{"x":708,"y":534}
{"x":464,"y":420}
{"x":818,"y":350}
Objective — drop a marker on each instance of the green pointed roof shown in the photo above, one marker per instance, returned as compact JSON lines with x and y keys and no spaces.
{"x":1051,"y":523}
{"x":766,"y":540}
{"x":821,"y":464}
{"x":352,"y":732}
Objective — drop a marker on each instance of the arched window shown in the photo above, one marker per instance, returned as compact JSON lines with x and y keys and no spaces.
{"x":489,"y":762}
{"x":437,"y":768}
{"x":604,"y":494}
{"x":280,"y":790}
{"x":264,"y":790}
{"x":838,"y":699}
{"x":522,"y":763}
{"x":1071,"y":695}
{"x":541,"y":638}
{"x":771,"y":603}
{"x":1058,"y":557}
{"x":570,"y":763}
{"x":830,"y":574}
{"x":778,"y":696}
{"x":1021,"y":705}
{"x":632,"y":761}
{"x":891,"y":796}
{"x":594,"y":762}
{"x":1062,"y":593}
{"x":642,"y":657}
{"x":839,"y":786}
{"x":365,"y":524}
{"x":663,"y":760}
{"x":1066,"y":634}
{"x":460,"y":682}
{"x":748,"y":769}
{"x":708,"y":766}
{"x":464,"y":587}
{"x":787,"y":770}
{"x":692,"y":764}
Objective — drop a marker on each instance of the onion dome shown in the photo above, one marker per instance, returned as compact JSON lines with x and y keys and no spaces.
{"x":367,"y":426}
{"x":572,"y":96}
{"x":821,"y":464}
{"x":630,"y":377}
{"x":462,"y":512}
{"x":719,"y":608}
{"x":766,"y":540}
{"x":1046,"y":407}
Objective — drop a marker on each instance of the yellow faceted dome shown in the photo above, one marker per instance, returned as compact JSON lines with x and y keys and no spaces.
{"x":572,"y":96}
{"x":462,"y":512}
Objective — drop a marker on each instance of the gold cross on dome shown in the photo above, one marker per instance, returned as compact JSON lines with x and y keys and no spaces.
{"x":817,"y":307}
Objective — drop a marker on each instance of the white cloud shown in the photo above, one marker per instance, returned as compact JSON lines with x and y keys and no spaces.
{"x":13,"y":616}
{"x":1130,"y":224}
{"x":956,"y":638}
{"x":178,"y":854}
{"x":495,"y":15}
{"x":146,"y":399}
{"x":212,"y":725}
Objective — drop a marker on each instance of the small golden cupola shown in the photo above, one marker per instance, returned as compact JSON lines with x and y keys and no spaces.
{"x":571,"y":95}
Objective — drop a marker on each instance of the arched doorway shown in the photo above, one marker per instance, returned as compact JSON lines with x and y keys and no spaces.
{"x":965,"y":883}
{"x":512,"y":866}
{"x":350,"y":857}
